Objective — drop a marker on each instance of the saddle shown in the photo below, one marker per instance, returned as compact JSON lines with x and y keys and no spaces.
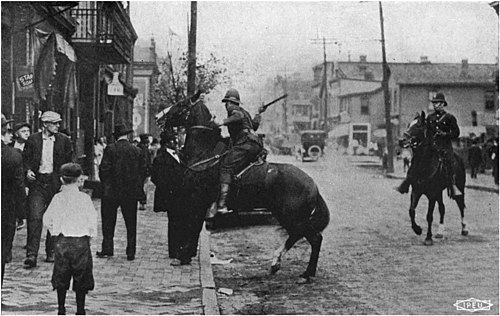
{"x":252,"y":182}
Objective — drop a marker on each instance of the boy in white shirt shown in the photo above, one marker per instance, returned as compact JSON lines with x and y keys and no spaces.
{"x":72,"y":218}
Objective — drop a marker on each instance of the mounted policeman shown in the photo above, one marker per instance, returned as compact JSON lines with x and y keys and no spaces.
{"x":444,"y":128}
{"x":246,"y":145}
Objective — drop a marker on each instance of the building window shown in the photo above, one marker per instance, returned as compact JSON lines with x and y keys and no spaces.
{"x":369,"y":75}
{"x":489,"y":100}
{"x":395,"y":101}
{"x":365,"y":105}
{"x":474,"y":118}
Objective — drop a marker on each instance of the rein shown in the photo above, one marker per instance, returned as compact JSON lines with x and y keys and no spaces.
{"x":199,"y":163}
{"x":206,"y":160}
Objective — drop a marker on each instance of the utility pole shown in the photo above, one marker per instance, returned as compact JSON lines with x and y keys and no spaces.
{"x":324,"y":115}
{"x":285,"y":91}
{"x":385,"y":87}
{"x":191,"y":73}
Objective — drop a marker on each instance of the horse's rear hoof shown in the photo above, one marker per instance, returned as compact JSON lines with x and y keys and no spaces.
{"x":417,"y":229}
{"x":275,"y":268}
{"x":465,"y":232}
{"x":303,"y":280}
{"x":428,"y":242}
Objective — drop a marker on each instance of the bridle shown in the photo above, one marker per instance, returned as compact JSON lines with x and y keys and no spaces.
{"x":204,"y":161}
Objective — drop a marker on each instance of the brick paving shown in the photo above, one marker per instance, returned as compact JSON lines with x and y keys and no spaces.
{"x":147,"y":285}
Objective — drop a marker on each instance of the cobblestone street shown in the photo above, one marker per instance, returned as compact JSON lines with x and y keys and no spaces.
{"x":371,"y":261}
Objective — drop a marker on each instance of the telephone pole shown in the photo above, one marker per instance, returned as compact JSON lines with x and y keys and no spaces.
{"x":191,"y":73}
{"x":324,"y":115}
{"x":385,"y":87}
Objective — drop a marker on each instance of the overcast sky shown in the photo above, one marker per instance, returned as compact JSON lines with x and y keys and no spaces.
{"x":268,"y":38}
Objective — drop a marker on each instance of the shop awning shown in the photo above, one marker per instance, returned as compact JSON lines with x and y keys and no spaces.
{"x":472,"y":131}
{"x":339,"y":131}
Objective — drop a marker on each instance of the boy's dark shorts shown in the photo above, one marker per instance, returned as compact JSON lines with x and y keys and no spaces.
{"x":73,"y":258}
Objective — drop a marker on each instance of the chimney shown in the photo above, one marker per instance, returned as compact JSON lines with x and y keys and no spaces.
{"x":424,"y":60}
{"x":362,"y":58}
{"x":465,"y":63}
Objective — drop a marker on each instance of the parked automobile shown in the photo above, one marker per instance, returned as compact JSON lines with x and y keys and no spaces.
{"x":312,"y":145}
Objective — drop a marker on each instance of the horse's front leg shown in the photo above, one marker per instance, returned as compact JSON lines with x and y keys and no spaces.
{"x":414,"y":198}
{"x":281,"y":251}
{"x":461,"y":206}
{"x":440,"y":233}
{"x":430,"y":218}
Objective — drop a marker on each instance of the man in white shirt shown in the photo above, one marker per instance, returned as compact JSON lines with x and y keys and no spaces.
{"x":44,"y":154}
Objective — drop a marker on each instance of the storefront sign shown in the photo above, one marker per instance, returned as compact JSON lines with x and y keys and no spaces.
{"x":24,"y":81}
{"x":115,"y":87}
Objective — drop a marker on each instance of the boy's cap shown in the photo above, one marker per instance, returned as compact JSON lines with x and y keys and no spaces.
{"x":71,"y":169}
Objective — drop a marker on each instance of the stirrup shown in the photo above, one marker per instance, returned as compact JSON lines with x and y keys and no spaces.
{"x":224,"y":210}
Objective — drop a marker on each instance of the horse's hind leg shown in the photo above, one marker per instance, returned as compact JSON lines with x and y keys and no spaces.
{"x":461,"y":206}
{"x":414,"y":198}
{"x":280,"y":252}
{"x":315,"y":239}
{"x":430,"y":218}
{"x":440,"y":233}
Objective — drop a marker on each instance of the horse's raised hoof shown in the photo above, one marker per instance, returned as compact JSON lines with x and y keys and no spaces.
{"x":275,"y":268}
{"x":428,"y":242}
{"x":303,"y":280}
{"x":417,"y":229}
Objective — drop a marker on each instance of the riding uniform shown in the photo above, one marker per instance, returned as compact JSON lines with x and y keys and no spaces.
{"x":443,"y":128}
{"x":246,"y":145}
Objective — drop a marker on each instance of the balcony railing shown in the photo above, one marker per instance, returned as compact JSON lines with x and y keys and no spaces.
{"x":107,"y":30}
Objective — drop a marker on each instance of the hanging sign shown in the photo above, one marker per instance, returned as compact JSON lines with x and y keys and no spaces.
{"x":115,"y":87}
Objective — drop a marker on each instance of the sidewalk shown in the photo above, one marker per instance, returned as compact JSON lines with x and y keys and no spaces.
{"x":147,"y":285}
{"x":484,"y":182}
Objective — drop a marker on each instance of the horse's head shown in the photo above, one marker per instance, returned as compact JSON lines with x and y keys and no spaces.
{"x":416,"y":132}
{"x":177,"y":114}
{"x":200,"y":143}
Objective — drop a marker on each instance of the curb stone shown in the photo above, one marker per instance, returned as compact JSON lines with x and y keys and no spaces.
{"x":209,"y":297}
{"x":468,"y":186}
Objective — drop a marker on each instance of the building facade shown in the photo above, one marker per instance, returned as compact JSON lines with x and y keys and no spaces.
{"x":146,"y":74}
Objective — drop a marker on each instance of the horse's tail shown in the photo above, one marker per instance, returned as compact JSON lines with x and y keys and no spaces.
{"x":321,"y":216}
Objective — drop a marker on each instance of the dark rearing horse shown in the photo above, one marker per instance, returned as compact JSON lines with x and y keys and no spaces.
{"x":290,"y":194}
{"x":430,"y":178}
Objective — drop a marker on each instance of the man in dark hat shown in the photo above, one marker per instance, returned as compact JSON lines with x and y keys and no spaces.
{"x":246,"y":145}
{"x":44,"y":154}
{"x":122,"y":172}
{"x":167,"y":175}
{"x":444,"y":128}
{"x":13,"y":194}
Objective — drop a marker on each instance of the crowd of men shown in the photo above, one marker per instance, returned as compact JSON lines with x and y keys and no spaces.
{"x":33,"y":170}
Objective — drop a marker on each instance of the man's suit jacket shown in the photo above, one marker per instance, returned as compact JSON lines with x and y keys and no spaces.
{"x":167,"y":175}
{"x":13,"y":192}
{"x":32,"y":154}
{"x":122,"y":171}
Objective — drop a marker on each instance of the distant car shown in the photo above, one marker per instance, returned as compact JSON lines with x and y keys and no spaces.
{"x":312,"y":145}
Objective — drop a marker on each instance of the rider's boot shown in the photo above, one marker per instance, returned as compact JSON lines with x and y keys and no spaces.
{"x":404,"y":187}
{"x":455,"y":191}
{"x":221,"y":206}
{"x":224,"y":191}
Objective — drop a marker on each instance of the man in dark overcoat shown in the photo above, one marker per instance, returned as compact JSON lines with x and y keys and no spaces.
{"x":167,"y":174}
{"x":13,"y":193}
{"x":122,"y":172}
{"x":44,"y":154}
{"x":475,"y":159}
